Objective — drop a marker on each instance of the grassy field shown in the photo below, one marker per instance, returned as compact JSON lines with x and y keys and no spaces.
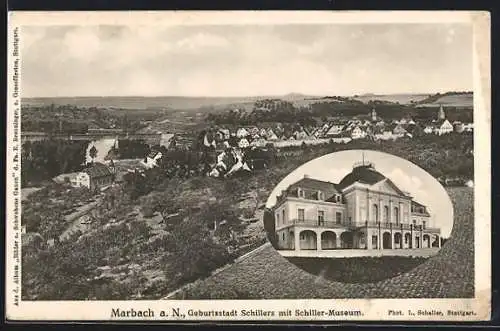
{"x":267,"y":275}
{"x":396,"y":98}
{"x":458,"y":100}
{"x":347,"y":270}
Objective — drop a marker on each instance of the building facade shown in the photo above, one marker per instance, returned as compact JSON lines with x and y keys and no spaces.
{"x":95,"y":177}
{"x":365,"y":210}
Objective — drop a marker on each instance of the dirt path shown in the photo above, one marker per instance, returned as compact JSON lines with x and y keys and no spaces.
{"x":25,"y":192}
{"x":76,"y":219}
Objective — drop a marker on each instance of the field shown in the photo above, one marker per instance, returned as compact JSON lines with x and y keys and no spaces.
{"x":454,"y":100}
{"x":396,"y":98}
{"x":266,"y":275}
{"x":347,"y":270}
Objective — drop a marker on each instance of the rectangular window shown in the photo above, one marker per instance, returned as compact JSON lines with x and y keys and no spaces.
{"x":423,"y":225}
{"x":338,"y":217}
{"x":321,"y":217}
{"x":283,"y":236}
{"x":374,"y":242}
{"x":301,"y":214}
{"x":278,"y":218}
{"x":283,"y":219}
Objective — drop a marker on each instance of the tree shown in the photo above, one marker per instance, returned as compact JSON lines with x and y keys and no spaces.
{"x":93,"y":153}
{"x":194,"y":254}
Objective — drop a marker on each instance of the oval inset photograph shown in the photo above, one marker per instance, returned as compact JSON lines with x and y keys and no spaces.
{"x":358,"y":216}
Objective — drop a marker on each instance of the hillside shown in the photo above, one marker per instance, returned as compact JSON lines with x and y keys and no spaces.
{"x":215,"y":103}
{"x":449,"y":100}
{"x":396,"y":98}
{"x":264,"y":274}
{"x":163,"y":102}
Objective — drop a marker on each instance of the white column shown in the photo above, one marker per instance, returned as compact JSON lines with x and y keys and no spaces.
{"x":370,"y":202}
{"x":297,"y":240}
{"x":380,"y":211}
{"x":318,"y":241}
{"x":401,"y":206}
{"x":357,"y":211}
{"x":339,"y":241}
{"x":391,"y":211}
{"x":368,"y":239}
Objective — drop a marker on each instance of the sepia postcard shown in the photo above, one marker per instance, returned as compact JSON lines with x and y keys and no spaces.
{"x":248,"y":166}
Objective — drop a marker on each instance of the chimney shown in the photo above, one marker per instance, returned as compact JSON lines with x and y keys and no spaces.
{"x":306,"y":176}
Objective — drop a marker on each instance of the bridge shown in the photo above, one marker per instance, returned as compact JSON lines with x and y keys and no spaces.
{"x":149,"y":138}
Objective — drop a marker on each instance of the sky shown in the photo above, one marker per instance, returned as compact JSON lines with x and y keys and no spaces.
{"x":245,"y":60}
{"x":407,"y":176}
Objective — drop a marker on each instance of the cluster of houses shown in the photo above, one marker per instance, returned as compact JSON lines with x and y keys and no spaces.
{"x":340,"y":131}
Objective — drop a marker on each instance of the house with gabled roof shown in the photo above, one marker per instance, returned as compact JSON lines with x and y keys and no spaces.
{"x":443,"y":126}
{"x":94,"y":177}
{"x":334,"y":130}
{"x":358,"y":132}
{"x":152,"y":159}
{"x":242,"y":132}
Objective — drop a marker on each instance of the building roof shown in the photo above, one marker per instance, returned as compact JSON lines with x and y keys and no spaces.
{"x":98,"y":170}
{"x":314,"y":184}
{"x":362,"y":173}
{"x":415,"y":204}
{"x":440,"y":122}
{"x":153,"y":154}
{"x":311,"y":188}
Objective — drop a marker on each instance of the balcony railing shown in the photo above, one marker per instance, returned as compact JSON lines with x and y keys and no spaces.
{"x":317,"y":223}
{"x":355,"y":225}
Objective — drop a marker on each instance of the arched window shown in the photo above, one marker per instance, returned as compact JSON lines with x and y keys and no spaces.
{"x":375,"y":212}
{"x":396,"y":215}
{"x":386,"y":214}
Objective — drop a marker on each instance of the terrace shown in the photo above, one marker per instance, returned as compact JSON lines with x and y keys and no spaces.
{"x":314,"y":223}
{"x":320,"y":238}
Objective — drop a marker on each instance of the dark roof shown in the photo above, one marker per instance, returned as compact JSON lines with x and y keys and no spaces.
{"x":153,"y":154}
{"x":314,"y":185}
{"x":364,"y":174}
{"x":419,"y":205}
{"x":98,"y":170}
{"x":440,"y":122}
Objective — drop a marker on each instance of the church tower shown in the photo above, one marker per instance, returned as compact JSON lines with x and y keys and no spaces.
{"x":374,"y":114}
{"x":441,"y":114}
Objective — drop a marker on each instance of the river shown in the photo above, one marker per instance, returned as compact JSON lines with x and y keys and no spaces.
{"x":103,"y":147}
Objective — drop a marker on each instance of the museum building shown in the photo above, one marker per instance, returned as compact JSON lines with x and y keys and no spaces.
{"x":365,"y":210}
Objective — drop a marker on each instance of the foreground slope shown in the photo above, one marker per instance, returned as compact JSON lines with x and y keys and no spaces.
{"x":265,"y":274}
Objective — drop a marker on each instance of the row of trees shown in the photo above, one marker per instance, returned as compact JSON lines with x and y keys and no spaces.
{"x":42,"y":160}
{"x":72,"y":119}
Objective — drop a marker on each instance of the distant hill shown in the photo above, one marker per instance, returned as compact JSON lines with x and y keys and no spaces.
{"x":217,"y":103}
{"x":167,"y":102}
